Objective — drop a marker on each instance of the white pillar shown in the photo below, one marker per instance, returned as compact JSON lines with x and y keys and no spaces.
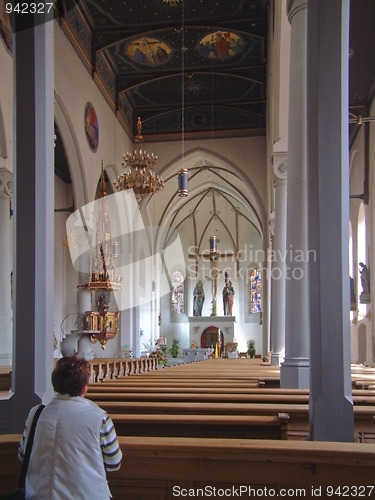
{"x":295,"y":368}
{"x":331,"y":405}
{"x":84,"y":344}
{"x":6,"y":280}
{"x":278,"y":271}
{"x":33,"y":290}
{"x":84,"y":299}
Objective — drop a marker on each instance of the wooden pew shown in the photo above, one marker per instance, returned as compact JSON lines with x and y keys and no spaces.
{"x":175,"y":397}
{"x":219,"y":426}
{"x":297,"y":427}
{"x":203,"y":387}
{"x":10,"y":466}
{"x":365,"y":384}
{"x":198,"y":389}
{"x":163,"y":468}
{"x":5,"y":378}
{"x":195,"y":396}
{"x":232,"y":397}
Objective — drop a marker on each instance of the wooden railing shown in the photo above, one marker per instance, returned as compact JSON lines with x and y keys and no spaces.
{"x":111,"y":368}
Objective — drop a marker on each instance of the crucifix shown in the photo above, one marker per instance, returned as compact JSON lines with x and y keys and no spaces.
{"x":214,"y":257}
{"x":214,"y":272}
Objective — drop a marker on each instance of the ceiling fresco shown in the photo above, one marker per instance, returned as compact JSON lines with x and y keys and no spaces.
{"x":196,"y":66}
{"x":193,"y":66}
{"x":197,"y":69}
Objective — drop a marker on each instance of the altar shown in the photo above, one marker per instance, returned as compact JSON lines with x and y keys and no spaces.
{"x":205,"y":331}
{"x":196,"y":354}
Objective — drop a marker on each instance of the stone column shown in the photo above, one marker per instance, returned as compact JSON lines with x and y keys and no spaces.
{"x":84,"y":344}
{"x":294,"y":371}
{"x":33,"y":270}
{"x":6,"y":279}
{"x":278,"y":271}
{"x":331,"y":405}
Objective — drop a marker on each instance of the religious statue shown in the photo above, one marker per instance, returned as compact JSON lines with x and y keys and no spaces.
{"x":102,"y":304}
{"x":198,"y":299}
{"x":213,"y":277}
{"x":365,"y":278}
{"x":365,"y":282}
{"x":228,"y":298}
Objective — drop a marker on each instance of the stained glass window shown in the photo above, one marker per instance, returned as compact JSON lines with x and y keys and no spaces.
{"x":255,"y":291}
{"x":177,"y":292}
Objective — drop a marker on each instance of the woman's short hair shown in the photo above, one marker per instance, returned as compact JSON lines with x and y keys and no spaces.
{"x":70,"y":375}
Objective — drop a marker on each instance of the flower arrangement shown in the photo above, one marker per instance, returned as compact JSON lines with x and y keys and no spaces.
{"x":160,"y":352}
{"x":193,"y":345}
{"x":160,"y":355}
{"x":231,"y":346}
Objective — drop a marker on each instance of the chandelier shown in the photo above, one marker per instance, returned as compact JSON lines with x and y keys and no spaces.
{"x":139,"y":172}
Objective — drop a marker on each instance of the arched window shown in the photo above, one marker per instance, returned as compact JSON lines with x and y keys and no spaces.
{"x":352,"y":275}
{"x":361,"y":256}
{"x":255,"y":291}
{"x":177,"y":281}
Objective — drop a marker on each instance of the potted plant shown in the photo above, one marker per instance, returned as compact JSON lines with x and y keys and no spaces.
{"x":175,"y":347}
{"x":251,"y":348}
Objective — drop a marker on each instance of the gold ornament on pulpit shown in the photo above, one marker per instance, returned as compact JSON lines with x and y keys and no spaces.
{"x":102,"y":324}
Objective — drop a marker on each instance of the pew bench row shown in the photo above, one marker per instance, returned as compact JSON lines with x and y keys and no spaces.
{"x":217,"y":426}
{"x":137,"y":385}
{"x":213,"y":396}
{"x":164,"y":468}
{"x":296,"y":428}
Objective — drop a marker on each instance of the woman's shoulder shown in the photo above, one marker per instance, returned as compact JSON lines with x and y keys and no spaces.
{"x":93,"y":405}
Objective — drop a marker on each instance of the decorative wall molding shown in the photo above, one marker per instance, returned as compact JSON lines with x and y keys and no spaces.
{"x":294,"y":6}
{"x":6,"y":182}
{"x":280,"y":165}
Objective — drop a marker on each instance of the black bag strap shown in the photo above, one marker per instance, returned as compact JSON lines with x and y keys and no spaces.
{"x":26,"y":459}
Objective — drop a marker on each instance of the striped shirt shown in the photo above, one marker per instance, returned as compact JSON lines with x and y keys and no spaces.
{"x":112,"y":454}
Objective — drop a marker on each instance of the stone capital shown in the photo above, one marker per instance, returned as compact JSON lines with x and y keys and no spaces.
{"x":272,"y":227}
{"x":6,"y":182}
{"x":280,"y":165}
{"x":295,"y":6}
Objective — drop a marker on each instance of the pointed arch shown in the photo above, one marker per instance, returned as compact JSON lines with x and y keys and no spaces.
{"x":3,"y":142}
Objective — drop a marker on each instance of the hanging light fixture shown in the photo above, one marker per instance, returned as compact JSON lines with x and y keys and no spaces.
{"x":213,"y":245}
{"x":183,"y":174}
{"x":139,"y":172}
{"x":182,"y":181}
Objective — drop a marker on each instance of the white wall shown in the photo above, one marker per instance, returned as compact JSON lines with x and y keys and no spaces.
{"x":361,"y":323}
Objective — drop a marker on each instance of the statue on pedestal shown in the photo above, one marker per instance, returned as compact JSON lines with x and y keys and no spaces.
{"x":199,"y":297}
{"x":228,"y":298}
{"x":365,"y":282}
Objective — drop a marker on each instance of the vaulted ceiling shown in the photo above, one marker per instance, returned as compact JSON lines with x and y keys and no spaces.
{"x":194,"y":66}
{"x":197,"y":69}
{"x":361,"y":61}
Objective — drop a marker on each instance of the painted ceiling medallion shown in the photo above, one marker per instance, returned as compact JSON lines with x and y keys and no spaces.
{"x":220,"y":45}
{"x":91,"y":127}
{"x":172,"y":3}
{"x":149,"y":51}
